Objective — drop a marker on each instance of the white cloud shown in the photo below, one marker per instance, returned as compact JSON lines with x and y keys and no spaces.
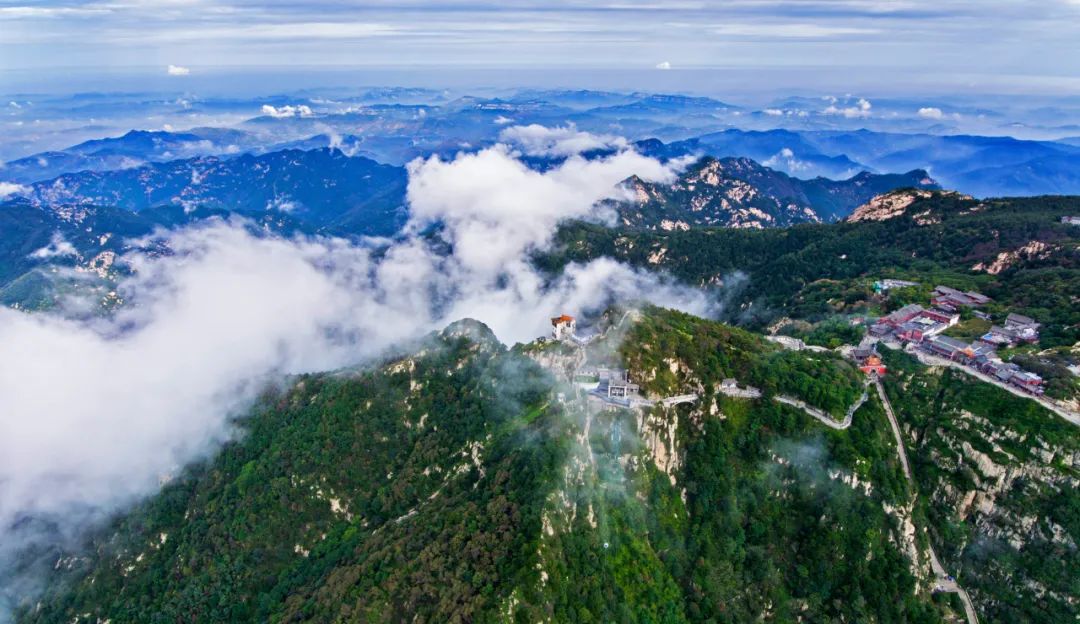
{"x":537,"y":140}
{"x":496,"y":208}
{"x":931,"y":112}
{"x":785,"y":160}
{"x":95,"y":412}
{"x":663,"y":65}
{"x":58,"y":247}
{"x":773,"y":112}
{"x":282,"y":203}
{"x":7,"y":189}
{"x":176,"y":70}
{"x":502,"y":120}
{"x":18,"y":12}
{"x":790,"y":31}
{"x":281,"y":112}
{"x":860,"y":109}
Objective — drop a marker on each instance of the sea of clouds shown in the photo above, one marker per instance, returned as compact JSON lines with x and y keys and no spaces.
{"x":93,"y":413}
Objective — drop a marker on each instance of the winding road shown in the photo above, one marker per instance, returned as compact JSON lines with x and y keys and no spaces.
{"x":945,"y":582}
{"x":933,"y":360}
{"x":822,"y":416}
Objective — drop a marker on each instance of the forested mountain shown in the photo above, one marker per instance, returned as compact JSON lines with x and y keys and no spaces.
{"x":323,"y":188}
{"x":454,"y":484}
{"x":1000,"y":477}
{"x":130,"y":150}
{"x":740,"y":193}
{"x":1017,"y":251}
{"x":47,"y":251}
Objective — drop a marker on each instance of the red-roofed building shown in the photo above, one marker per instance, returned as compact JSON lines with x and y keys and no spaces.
{"x":563,"y":327}
{"x":874,"y":365}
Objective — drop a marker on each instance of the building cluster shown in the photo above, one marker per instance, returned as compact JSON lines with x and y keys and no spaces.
{"x":1070,"y":220}
{"x":615,"y":383}
{"x":982,"y":357}
{"x":1018,"y":328}
{"x":613,"y":387}
{"x":951,"y":300}
{"x":913,"y":324}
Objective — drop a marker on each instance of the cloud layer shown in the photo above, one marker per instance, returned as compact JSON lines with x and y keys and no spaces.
{"x":955,"y":42}
{"x":94,"y":414}
{"x":537,"y":140}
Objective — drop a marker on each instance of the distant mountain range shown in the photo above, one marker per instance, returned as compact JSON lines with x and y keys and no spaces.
{"x":981,"y":166}
{"x":396,"y":126}
{"x":326,"y":190}
{"x":322,"y":188}
{"x":130,"y":150}
{"x":740,"y":193}
{"x":79,"y":219}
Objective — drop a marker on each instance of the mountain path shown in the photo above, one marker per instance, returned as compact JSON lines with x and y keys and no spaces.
{"x":944,"y":582}
{"x":822,"y":416}
{"x":932,"y":360}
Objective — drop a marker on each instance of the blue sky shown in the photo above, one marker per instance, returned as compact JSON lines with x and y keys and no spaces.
{"x":984,"y":45}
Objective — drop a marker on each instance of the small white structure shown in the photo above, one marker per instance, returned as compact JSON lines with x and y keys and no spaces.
{"x":792,"y":344}
{"x":731,"y":388}
{"x":563,"y":327}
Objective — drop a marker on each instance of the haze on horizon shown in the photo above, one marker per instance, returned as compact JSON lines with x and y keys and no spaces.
{"x":946,"y":46}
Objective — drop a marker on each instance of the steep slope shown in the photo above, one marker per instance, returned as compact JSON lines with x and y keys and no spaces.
{"x":455,"y":485}
{"x":324,"y":188}
{"x":740,"y":193}
{"x":895,"y":203}
{"x":413,"y":491}
{"x":1001,"y":477}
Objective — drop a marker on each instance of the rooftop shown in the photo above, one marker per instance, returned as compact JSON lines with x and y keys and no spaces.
{"x":951,"y":343}
{"x":1019,"y":319}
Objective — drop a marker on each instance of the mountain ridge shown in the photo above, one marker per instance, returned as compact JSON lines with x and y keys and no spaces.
{"x":741,"y":193}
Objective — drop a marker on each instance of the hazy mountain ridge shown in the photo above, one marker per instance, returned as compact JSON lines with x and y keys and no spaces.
{"x":323,"y":187}
{"x":977,"y":165}
{"x":740,"y":193}
{"x":798,"y":137}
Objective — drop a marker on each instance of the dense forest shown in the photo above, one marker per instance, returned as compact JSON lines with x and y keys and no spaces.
{"x":454,"y":485}
{"x":469,"y":482}
{"x":1001,"y":483}
{"x":412,"y":490}
{"x":814,"y":271}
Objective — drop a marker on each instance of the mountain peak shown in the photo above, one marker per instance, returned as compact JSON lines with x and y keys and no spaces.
{"x":896,"y":202}
{"x":743,"y":193}
{"x":472,"y":330}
